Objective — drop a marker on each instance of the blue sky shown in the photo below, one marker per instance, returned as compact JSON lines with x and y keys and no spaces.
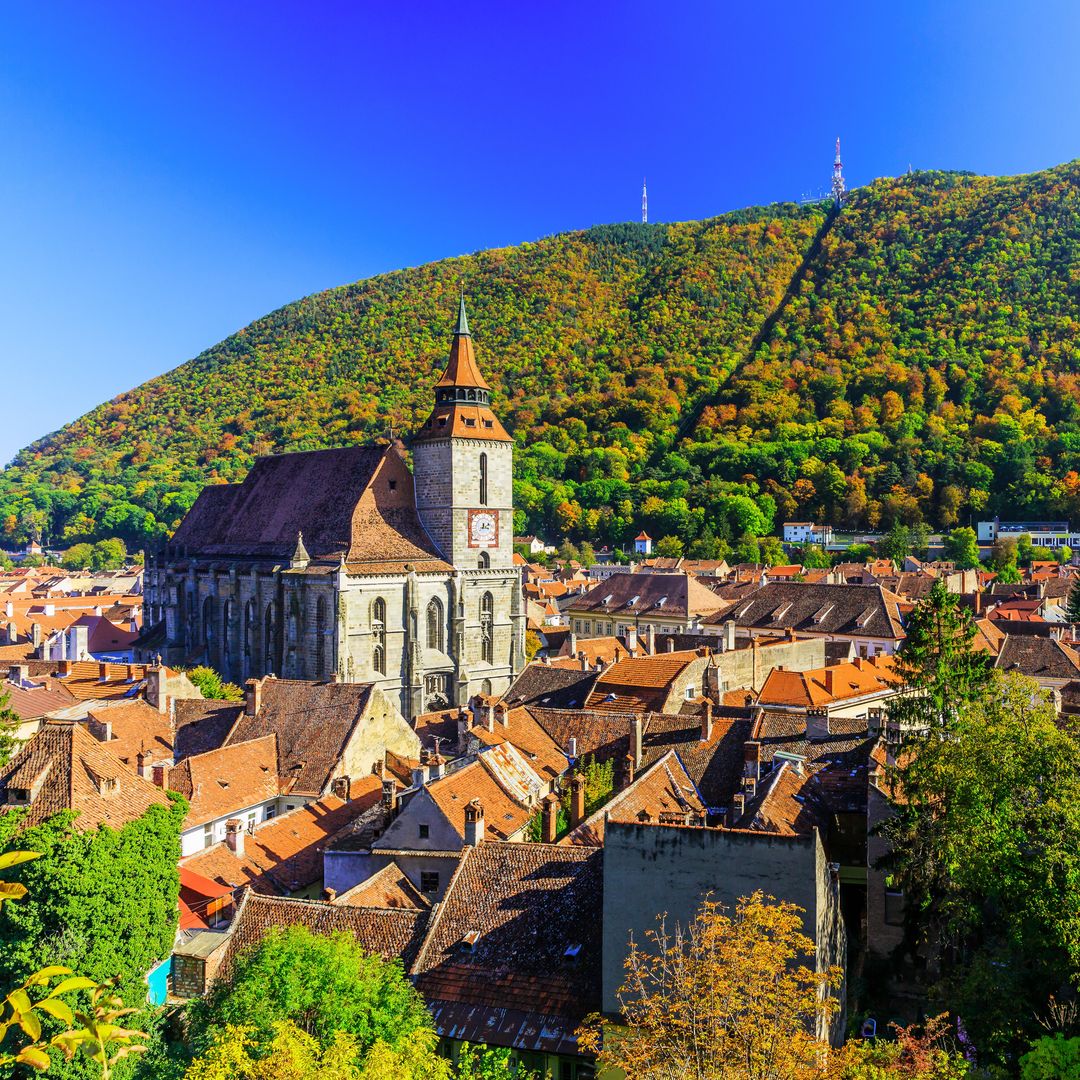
{"x":172,"y":171}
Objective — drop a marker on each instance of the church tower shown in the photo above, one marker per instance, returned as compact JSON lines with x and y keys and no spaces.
{"x":463,"y":465}
{"x":463,"y":478}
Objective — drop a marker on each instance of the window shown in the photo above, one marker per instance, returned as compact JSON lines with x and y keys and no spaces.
{"x":208,"y":621}
{"x":429,"y":881}
{"x":271,"y":811}
{"x":688,"y":693}
{"x":320,"y":637}
{"x":487,"y":628}
{"x":423,"y":831}
{"x":249,"y":633}
{"x":226,"y":619}
{"x":484,"y":561}
{"x":269,"y":640}
{"x":435,"y":624}
{"x":208,"y":835}
{"x":894,"y":906}
{"x":483,"y":480}
{"x":378,"y":635}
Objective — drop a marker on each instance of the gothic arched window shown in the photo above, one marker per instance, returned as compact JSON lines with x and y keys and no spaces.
{"x":483,"y":480}
{"x":484,"y":561}
{"x":320,"y":637}
{"x":226,"y":618}
{"x":269,"y":639}
{"x":249,"y":633}
{"x":378,"y":635}
{"x":487,"y":628}
{"x":435,"y":625}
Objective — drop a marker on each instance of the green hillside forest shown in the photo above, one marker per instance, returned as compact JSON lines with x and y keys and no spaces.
{"x":912,"y":358}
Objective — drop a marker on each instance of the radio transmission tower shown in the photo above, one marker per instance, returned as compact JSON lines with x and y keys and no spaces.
{"x":838,"y":178}
{"x":644,"y":204}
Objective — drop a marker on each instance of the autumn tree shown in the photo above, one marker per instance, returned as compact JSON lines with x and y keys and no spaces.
{"x":729,"y":997}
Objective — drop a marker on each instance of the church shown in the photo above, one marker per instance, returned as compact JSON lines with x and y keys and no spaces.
{"x":344,"y":564}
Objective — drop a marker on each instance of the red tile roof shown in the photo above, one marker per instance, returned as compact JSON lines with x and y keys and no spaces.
{"x":63,"y":767}
{"x":512,"y":954}
{"x":226,"y":781}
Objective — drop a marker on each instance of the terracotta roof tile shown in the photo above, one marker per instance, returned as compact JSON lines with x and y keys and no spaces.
{"x":227,"y":780}
{"x":63,"y":767}
{"x":135,"y":725}
{"x":285,"y":854}
{"x":512,"y":954}
{"x":386,"y":888}
{"x":313,"y":723}
{"x":387,"y":932}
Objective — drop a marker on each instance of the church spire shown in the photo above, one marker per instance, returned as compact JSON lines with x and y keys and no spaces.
{"x":462,"y":318}
{"x":462,"y":372}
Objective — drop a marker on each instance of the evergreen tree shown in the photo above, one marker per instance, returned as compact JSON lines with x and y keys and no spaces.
{"x":896,"y":544}
{"x":1072,"y":605}
{"x":937,"y":664}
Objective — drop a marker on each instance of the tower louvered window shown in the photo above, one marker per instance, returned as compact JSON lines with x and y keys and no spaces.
{"x":435,"y":625}
{"x":378,"y":635}
{"x":487,"y":628}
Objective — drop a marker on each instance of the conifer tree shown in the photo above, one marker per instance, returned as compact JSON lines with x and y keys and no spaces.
{"x":937,"y":663}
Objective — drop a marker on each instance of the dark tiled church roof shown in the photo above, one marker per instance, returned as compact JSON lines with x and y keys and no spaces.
{"x":355,"y":502}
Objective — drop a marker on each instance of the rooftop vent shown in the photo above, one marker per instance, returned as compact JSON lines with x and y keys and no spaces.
{"x":470,"y":939}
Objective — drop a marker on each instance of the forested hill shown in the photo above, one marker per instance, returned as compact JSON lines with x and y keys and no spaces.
{"x":913,"y":357}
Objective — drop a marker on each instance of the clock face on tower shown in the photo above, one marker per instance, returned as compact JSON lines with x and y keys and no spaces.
{"x":483,"y":529}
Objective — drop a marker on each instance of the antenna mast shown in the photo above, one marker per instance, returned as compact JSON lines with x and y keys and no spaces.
{"x":644,"y":203}
{"x":838,"y":187}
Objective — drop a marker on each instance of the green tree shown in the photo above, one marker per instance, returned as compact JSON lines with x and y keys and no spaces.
{"x":108,"y":555}
{"x":1072,"y":604}
{"x":896,"y":544}
{"x":1053,"y":1057}
{"x":812,"y":556}
{"x":962,"y":548}
{"x":1025,"y":550}
{"x":212,"y":686}
{"x":668,"y":547}
{"x":324,"y":984}
{"x":77,"y":557}
{"x":986,"y":847}
{"x":10,"y":721}
{"x":939,"y":670}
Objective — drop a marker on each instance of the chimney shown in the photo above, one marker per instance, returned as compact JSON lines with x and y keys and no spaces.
{"x":252,"y":697}
{"x":628,"y":769}
{"x":19,"y":674}
{"x":155,"y":690}
{"x":752,"y":759}
{"x":234,"y":836}
{"x":550,"y":819}
{"x":706,"y":721}
{"x":420,"y":775}
{"x":49,"y":609}
{"x":142,"y":765}
{"x":464,"y":722}
{"x":9,"y":609}
{"x":817,"y":724}
{"x":98,"y":610}
{"x":650,"y":639}
{"x":100,"y":729}
{"x":12,"y":633}
{"x":830,"y":681}
{"x":502,"y":714}
{"x":572,"y":640}
{"x":577,"y":800}
{"x":159,"y":776}
{"x":474,"y":823}
{"x":637,"y":728}
{"x":103,"y":672}
{"x":738,"y":808}
{"x":436,"y":765}
{"x":729,"y":635}
{"x":631,"y":639}
{"x":389,"y":795}
{"x":571,"y":748}
{"x":65,"y":667}
{"x":749,"y":785}
{"x":35,"y":635}
{"x":583,"y":660}
{"x":340,"y":787}
{"x":329,"y":895}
